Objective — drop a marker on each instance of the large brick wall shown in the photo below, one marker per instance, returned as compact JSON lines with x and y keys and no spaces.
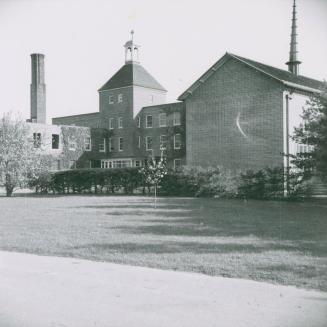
{"x":235,"y":92}
{"x":84,"y":120}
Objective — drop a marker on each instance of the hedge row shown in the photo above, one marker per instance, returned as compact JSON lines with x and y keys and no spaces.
{"x":190,"y":181}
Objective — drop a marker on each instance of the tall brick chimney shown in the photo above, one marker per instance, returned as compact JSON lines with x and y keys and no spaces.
{"x":38,"y":110}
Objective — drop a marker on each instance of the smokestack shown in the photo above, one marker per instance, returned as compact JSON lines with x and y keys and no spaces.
{"x":38,"y":110}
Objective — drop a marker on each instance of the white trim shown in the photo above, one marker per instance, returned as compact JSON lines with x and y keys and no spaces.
{"x":160,"y":115}
{"x":180,"y":144}
{"x":179,"y":123}
{"x":111,"y":126}
{"x":90,"y":148}
{"x":146,"y":121}
{"x":104,"y":145}
{"x":146,"y":143}
{"x":120,"y":149}
{"x":301,"y":87}
{"x":120,"y":122}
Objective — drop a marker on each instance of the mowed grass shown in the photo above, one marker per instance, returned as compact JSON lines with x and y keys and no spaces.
{"x":279,"y":242}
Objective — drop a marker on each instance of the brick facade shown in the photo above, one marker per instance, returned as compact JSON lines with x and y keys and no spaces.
{"x":235,"y":93}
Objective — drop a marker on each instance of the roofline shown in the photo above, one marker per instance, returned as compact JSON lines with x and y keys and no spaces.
{"x":223,"y":60}
{"x":91,"y":113}
{"x":146,"y":87}
{"x":301,"y":87}
{"x":204,"y":77}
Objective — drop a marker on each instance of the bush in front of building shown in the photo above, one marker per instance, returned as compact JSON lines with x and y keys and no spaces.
{"x":200,"y":182}
{"x":93,"y":180}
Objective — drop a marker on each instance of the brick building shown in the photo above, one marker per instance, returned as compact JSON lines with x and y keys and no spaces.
{"x":240,"y":114}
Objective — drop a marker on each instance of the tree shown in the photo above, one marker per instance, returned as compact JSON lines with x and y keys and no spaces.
{"x":21,"y":157}
{"x":153,"y":173}
{"x":313,"y":133}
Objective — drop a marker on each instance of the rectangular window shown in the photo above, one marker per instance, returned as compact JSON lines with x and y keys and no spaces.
{"x":58,"y":164}
{"x":87,"y":144}
{"x":139,"y":142}
{"x":120,"y":98}
{"x":102,"y":146}
{"x":148,"y":142}
{"x":177,"y":163}
{"x":163,"y":142}
{"x":177,"y":118}
{"x":111,"y":123}
{"x":162,"y":120}
{"x":111,"y":99}
{"x":71,"y":144}
{"x":55,"y":141}
{"x":137,"y":163}
{"x":120,"y":144}
{"x":111,"y":145}
{"x":149,"y":122}
{"x":138,"y":121}
{"x":120,"y":122}
{"x":177,"y":141}
{"x":37,"y":140}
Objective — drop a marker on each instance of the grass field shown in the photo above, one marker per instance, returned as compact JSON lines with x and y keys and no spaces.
{"x":279,"y":242}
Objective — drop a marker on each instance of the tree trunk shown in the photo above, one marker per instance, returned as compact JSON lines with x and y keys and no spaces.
{"x":9,"y":190}
{"x":8,"y":185}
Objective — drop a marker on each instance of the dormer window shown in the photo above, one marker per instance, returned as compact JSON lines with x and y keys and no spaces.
{"x":111,"y":99}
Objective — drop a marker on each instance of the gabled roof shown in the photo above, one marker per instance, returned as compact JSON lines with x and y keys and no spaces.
{"x":291,"y":80}
{"x":132,"y":74}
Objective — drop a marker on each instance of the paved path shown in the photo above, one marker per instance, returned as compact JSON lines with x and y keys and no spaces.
{"x":37,"y":291}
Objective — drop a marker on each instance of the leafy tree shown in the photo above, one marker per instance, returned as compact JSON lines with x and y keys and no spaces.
{"x":153,"y":173}
{"x":20,"y":158}
{"x":313,"y":132}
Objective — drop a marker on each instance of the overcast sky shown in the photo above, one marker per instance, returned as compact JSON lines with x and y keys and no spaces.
{"x":83,"y":43}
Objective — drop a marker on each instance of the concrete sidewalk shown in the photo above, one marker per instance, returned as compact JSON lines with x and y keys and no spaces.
{"x":37,"y":291}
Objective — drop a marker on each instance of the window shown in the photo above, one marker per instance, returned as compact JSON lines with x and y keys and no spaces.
{"x":139,"y":142}
{"x":149,"y":121}
{"x":37,"y":140}
{"x":120,"y":144}
{"x":137,"y":163}
{"x":177,"y":118}
{"x":138,"y":121}
{"x":111,"y":99}
{"x":177,"y":141}
{"x":111,"y":145}
{"x":148,"y":142}
{"x":71,"y":144}
{"x":102,"y":146}
{"x":120,"y":98}
{"x":87,"y":144}
{"x":162,"y":120}
{"x":55,"y":141}
{"x":58,"y":164}
{"x":120,"y":122}
{"x":177,"y":163}
{"x":72,"y":164}
{"x":163,"y":142}
{"x":111,"y":123}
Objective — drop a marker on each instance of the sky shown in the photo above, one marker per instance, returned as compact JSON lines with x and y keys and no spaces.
{"x":82,"y":41}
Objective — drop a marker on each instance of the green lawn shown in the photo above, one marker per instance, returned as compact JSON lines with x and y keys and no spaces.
{"x":279,"y":242}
